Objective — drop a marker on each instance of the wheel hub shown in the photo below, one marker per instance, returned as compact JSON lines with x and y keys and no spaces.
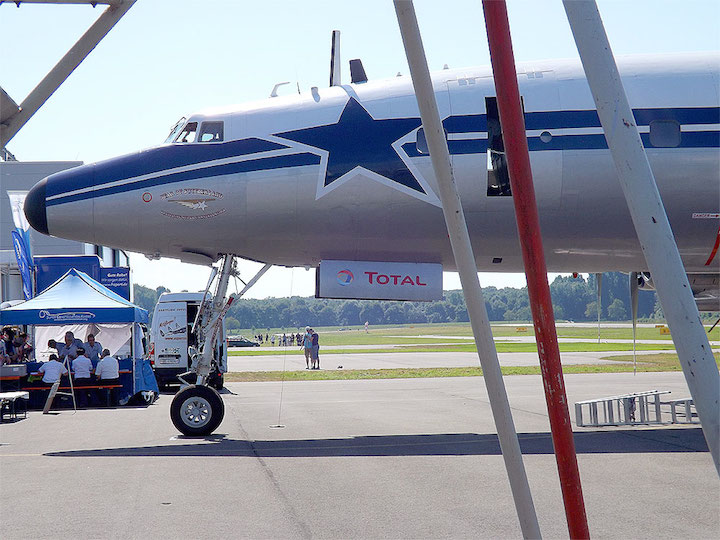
{"x":196,"y":412}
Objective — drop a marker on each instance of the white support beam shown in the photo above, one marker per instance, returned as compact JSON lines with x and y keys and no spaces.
{"x":649,"y":217}
{"x":62,"y":70}
{"x":467,"y":269}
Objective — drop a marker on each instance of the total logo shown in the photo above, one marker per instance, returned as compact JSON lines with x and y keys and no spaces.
{"x":394,"y":279}
{"x":345,"y":277}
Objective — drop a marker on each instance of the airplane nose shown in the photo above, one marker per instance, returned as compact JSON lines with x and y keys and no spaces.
{"x":35,"y":210}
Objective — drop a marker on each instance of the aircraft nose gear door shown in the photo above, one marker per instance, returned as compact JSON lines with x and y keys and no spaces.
{"x":198,"y":409}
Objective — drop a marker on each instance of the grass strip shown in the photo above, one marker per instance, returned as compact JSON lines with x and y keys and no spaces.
{"x":405,"y":373}
{"x":468,"y":347}
{"x":646,"y":363}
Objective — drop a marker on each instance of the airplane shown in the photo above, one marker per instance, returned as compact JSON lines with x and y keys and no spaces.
{"x":343,"y":173}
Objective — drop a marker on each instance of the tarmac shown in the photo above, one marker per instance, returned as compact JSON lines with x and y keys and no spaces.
{"x":293,"y":359}
{"x":404,"y":458}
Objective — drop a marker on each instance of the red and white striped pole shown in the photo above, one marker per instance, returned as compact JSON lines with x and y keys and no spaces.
{"x":523,"y":193}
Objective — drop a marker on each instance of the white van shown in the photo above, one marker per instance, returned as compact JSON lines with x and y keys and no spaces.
{"x":171,"y":336}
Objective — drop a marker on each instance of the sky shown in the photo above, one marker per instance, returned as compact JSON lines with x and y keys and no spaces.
{"x":168,"y":58}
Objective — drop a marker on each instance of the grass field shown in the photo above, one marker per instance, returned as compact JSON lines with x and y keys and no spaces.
{"x":463,"y":347}
{"x":645,"y":363}
{"x":333,"y":336}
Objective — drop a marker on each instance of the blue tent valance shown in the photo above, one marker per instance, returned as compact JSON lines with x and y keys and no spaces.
{"x":75,"y":298}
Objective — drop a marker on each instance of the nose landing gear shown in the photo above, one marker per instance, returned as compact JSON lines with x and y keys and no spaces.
{"x":197,"y":409}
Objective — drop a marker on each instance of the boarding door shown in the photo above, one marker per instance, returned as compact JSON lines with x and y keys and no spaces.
{"x":476,"y":144}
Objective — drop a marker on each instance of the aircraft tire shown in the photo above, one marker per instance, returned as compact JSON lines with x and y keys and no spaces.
{"x":197,"y":410}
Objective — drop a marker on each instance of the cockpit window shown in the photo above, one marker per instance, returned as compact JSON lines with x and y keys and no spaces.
{"x":211,"y":132}
{"x":187,"y":135}
{"x":176,"y":129}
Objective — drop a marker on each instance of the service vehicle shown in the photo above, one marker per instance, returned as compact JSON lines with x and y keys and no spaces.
{"x":173,"y":340}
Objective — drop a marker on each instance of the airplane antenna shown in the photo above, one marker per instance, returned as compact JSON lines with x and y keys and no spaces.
{"x":357,"y":71}
{"x":634,"y":287}
{"x":275,"y":88}
{"x":335,"y":59}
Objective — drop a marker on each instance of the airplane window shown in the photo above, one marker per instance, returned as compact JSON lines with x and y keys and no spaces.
{"x":187,"y":135}
{"x":664,"y":133}
{"x":175,"y":130}
{"x":498,"y":182}
{"x":211,"y":132}
{"x":421,"y":142}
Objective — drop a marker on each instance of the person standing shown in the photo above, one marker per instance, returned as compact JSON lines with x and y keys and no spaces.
{"x":93,"y":349}
{"x":82,"y":367}
{"x":70,"y":347}
{"x":307,"y":346}
{"x":24,"y":349}
{"x":7,"y":349}
{"x":315,"y":352}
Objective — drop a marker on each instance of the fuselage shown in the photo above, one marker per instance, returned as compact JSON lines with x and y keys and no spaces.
{"x":343,"y":173}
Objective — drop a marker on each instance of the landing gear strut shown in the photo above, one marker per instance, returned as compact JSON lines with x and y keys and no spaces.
{"x":198,"y":408}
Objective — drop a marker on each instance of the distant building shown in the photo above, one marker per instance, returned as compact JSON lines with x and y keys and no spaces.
{"x":21,"y":176}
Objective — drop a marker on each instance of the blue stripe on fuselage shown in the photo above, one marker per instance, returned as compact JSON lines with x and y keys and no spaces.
{"x":157,"y":160}
{"x":278,"y":162}
{"x":690,"y":139}
{"x":152,"y":161}
{"x":471,"y":123}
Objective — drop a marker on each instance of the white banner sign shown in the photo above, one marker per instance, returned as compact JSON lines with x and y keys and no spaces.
{"x":17,"y":201}
{"x":364,"y":280}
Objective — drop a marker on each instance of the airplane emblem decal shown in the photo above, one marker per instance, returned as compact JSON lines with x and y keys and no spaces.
{"x":200,"y":203}
{"x":358,"y":144}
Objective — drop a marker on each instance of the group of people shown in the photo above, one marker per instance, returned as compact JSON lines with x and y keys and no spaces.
{"x":14,"y":347}
{"x":282,"y":341}
{"x":309,"y":342}
{"x":88,"y":361}
{"x":311,"y":345}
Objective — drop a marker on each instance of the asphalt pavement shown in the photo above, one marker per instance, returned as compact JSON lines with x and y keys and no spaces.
{"x":408,"y":458}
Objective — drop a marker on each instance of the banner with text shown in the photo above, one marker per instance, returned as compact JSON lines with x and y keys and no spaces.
{"x":365,"y":280}
{"x":117,"y":279}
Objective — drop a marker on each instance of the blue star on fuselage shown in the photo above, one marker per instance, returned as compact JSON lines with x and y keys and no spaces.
{"x":358,"y":140}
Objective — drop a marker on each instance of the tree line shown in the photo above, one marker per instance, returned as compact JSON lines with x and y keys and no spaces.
{"x":573,"y":299}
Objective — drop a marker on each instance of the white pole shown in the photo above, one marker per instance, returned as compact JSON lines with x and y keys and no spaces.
{"x":467,"y":269}
{"x":648,"y":215}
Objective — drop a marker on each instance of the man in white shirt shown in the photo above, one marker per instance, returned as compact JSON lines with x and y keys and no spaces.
{"x":93,"y":349}
{"x":52,"y":370}
{"x":108,"y":372}
{"x":108,"y":367}
{"x":82,"y":368}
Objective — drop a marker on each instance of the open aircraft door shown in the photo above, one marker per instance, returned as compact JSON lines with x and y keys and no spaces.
{"x":476,"y":147}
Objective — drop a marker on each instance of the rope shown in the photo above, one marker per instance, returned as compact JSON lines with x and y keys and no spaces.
{"x":282,"y":380}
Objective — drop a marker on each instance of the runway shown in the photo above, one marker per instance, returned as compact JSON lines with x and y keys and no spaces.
{"x":408,"y":458}
{"x":293,"y":359}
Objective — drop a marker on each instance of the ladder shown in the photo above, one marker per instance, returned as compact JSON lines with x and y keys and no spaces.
{"x":54,"y":390}
{"x":624,"y":410}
